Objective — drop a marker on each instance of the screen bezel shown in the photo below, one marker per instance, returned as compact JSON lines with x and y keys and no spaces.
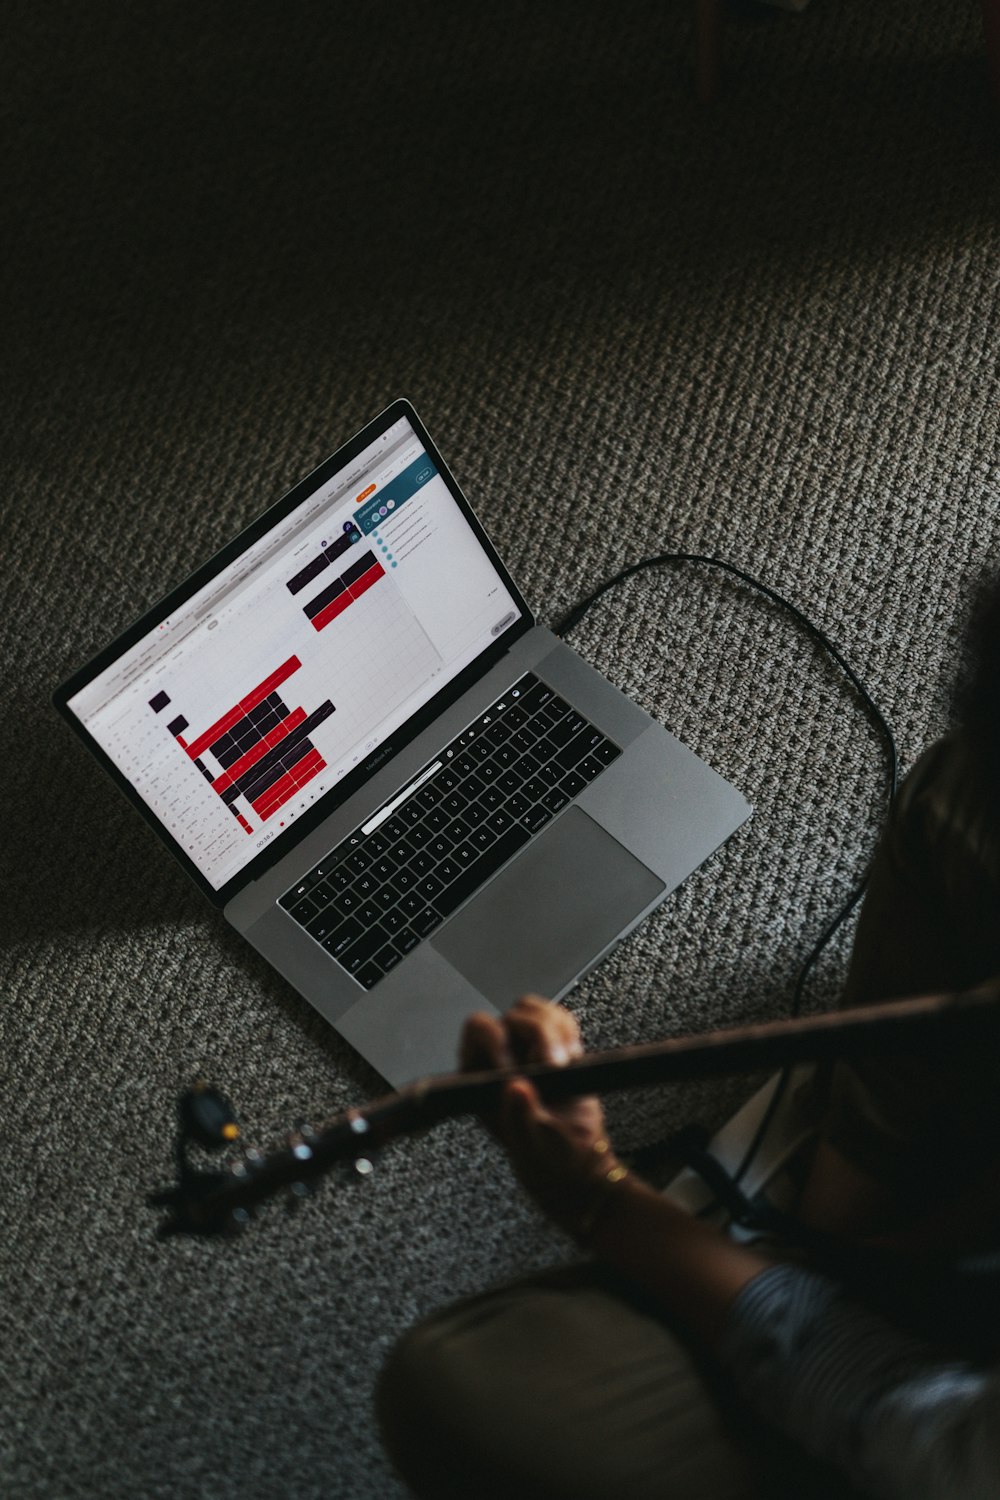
{"x":338,"y":794}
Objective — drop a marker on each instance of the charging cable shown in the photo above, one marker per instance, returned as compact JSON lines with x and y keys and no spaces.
{"x":667,"y":559}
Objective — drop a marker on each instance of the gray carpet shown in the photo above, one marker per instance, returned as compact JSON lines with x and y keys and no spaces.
{"x":767,"y":331}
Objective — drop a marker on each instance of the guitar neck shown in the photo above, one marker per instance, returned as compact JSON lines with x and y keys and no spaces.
{"x":931,"y":1023}
{"x":910,"y":1026}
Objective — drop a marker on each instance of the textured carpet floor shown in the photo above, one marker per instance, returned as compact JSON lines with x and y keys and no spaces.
{"x":767,"y":331}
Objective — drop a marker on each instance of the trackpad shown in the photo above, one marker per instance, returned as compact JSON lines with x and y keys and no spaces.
{"x":545,"y":918}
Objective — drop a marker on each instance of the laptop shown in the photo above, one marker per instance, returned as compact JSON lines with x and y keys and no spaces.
{"x":410,"y":798}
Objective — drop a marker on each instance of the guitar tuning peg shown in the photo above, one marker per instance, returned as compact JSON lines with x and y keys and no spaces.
{"x":363,"y":1167}
{"x":247,"y":1162}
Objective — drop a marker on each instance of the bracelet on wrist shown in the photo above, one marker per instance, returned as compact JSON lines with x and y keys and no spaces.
{"x":605,"y":1184}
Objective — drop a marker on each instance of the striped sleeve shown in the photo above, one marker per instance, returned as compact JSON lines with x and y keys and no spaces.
{"x":896,"y":1418}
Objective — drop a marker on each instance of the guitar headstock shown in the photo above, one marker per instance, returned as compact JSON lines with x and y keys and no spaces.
{"x":222,"y":1201}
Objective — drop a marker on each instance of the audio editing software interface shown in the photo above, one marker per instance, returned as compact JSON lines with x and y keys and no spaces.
{"x":235,"y":715}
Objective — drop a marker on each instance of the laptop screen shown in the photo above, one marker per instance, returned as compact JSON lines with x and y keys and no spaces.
{"x":267,"y":686}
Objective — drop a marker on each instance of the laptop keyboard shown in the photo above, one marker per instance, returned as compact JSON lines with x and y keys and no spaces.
{"x":378,"y":894}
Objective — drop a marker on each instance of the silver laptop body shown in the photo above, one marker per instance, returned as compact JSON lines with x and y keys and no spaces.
{"x":409,"y":798}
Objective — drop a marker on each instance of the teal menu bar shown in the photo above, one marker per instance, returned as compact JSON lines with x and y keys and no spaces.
{"x":378,"y":510}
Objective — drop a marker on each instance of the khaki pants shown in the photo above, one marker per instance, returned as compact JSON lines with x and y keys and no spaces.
{"x":566,"y":1386}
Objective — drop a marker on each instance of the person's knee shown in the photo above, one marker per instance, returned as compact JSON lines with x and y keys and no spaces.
{"x":415,"y":1400}
{"x":402,"y":1379}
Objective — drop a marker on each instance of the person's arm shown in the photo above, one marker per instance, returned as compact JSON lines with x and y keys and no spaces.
{"x":899,"y":1419}
{"x":840,"y":1381}
{"x":563,"y":1158}
{"x":694,"y":1272}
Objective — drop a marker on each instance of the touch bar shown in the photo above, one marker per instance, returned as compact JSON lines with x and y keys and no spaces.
{"x":390,"y":807}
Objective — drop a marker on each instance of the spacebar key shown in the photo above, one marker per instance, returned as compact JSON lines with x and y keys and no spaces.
{"x":471,"y":879}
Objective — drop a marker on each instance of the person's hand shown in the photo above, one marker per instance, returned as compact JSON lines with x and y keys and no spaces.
{"x":559,"y":1152}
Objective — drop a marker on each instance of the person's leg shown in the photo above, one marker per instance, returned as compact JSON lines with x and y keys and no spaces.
{"x":563,"y":1387}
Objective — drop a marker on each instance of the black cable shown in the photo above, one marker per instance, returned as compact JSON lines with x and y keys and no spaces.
{"x":660,"y":559}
